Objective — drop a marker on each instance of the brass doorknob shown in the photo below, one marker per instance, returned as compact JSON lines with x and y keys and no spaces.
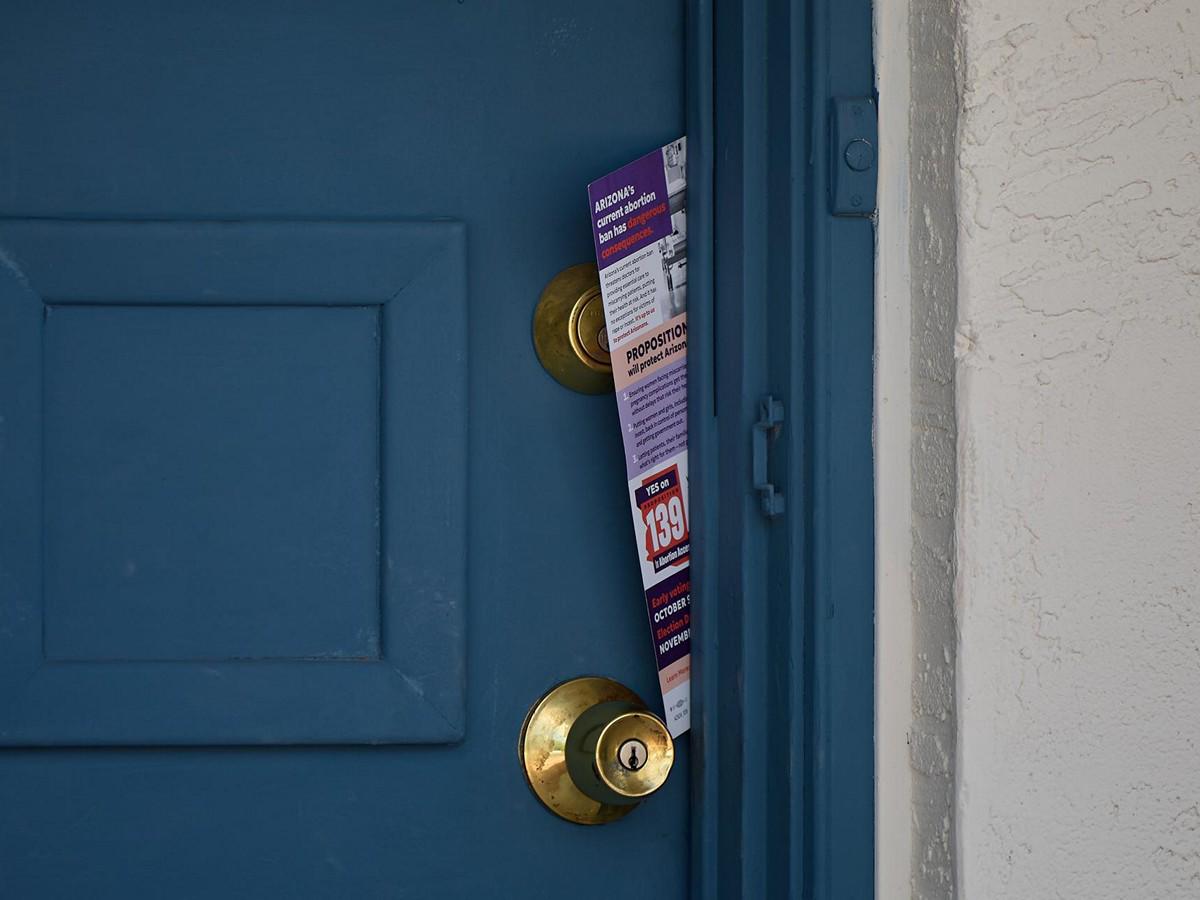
{"x":591,"y":751}
{"x":569,"y":333}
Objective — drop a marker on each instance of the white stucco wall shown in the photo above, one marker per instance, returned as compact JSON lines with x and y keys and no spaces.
{"x":1078,"y":414}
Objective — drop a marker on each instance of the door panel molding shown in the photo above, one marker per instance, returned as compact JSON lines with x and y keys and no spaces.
{"x":395,"y":672}
{"x":780,"y":304}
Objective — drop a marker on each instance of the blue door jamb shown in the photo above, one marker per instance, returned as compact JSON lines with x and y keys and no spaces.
{"x":781,"y":296}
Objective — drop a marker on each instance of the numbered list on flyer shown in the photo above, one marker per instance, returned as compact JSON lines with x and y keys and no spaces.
{"x":639,"y":223}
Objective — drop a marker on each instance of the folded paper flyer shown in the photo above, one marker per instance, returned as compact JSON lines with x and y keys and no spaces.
{"x":639,"y":223}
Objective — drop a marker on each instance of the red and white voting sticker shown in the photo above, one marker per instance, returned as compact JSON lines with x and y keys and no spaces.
{"x":661,"y":503}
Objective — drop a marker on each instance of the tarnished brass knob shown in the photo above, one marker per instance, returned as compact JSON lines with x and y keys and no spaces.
{"x":591,"y":751}
{"x":569,"y":332}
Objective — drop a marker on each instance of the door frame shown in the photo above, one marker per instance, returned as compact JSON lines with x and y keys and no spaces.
{"x":781,"y":304}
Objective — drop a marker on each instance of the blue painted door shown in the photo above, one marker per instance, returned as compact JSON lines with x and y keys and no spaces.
{"x":293,"y":527}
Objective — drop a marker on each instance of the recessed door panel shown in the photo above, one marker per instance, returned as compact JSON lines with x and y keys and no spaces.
{"x":243,"y":483}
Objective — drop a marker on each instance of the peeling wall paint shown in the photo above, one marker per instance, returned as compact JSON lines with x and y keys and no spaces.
{"x":1078,"y":414}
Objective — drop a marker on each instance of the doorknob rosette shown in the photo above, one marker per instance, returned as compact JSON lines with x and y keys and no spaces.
{"x":591,"y":751}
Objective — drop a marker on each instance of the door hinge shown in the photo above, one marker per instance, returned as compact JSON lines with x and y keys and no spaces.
{"x":853,"y":152}
{"x":766,"y":429}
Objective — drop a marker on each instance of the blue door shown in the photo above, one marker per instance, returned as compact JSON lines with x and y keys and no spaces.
{"x":293,"y":526}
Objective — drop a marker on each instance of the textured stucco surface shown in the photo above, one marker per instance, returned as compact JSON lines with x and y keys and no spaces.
{"x":1078,"y":397}
{"x":932,"y":260}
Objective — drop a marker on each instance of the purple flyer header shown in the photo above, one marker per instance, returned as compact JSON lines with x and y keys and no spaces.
{"x":630,"y":208}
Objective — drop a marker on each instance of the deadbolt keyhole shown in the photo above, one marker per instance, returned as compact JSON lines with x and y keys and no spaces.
{"x":632,"y":754}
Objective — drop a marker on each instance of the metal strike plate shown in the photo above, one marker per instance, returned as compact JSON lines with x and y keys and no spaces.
{"x":854,"y":143}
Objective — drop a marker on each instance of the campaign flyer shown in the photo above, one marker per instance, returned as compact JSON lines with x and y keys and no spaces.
{"x":639,"y":223}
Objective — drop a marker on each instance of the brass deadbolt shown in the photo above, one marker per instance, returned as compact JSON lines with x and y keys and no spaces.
{"x":569,"y":332}
{"x":591,"y":751}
